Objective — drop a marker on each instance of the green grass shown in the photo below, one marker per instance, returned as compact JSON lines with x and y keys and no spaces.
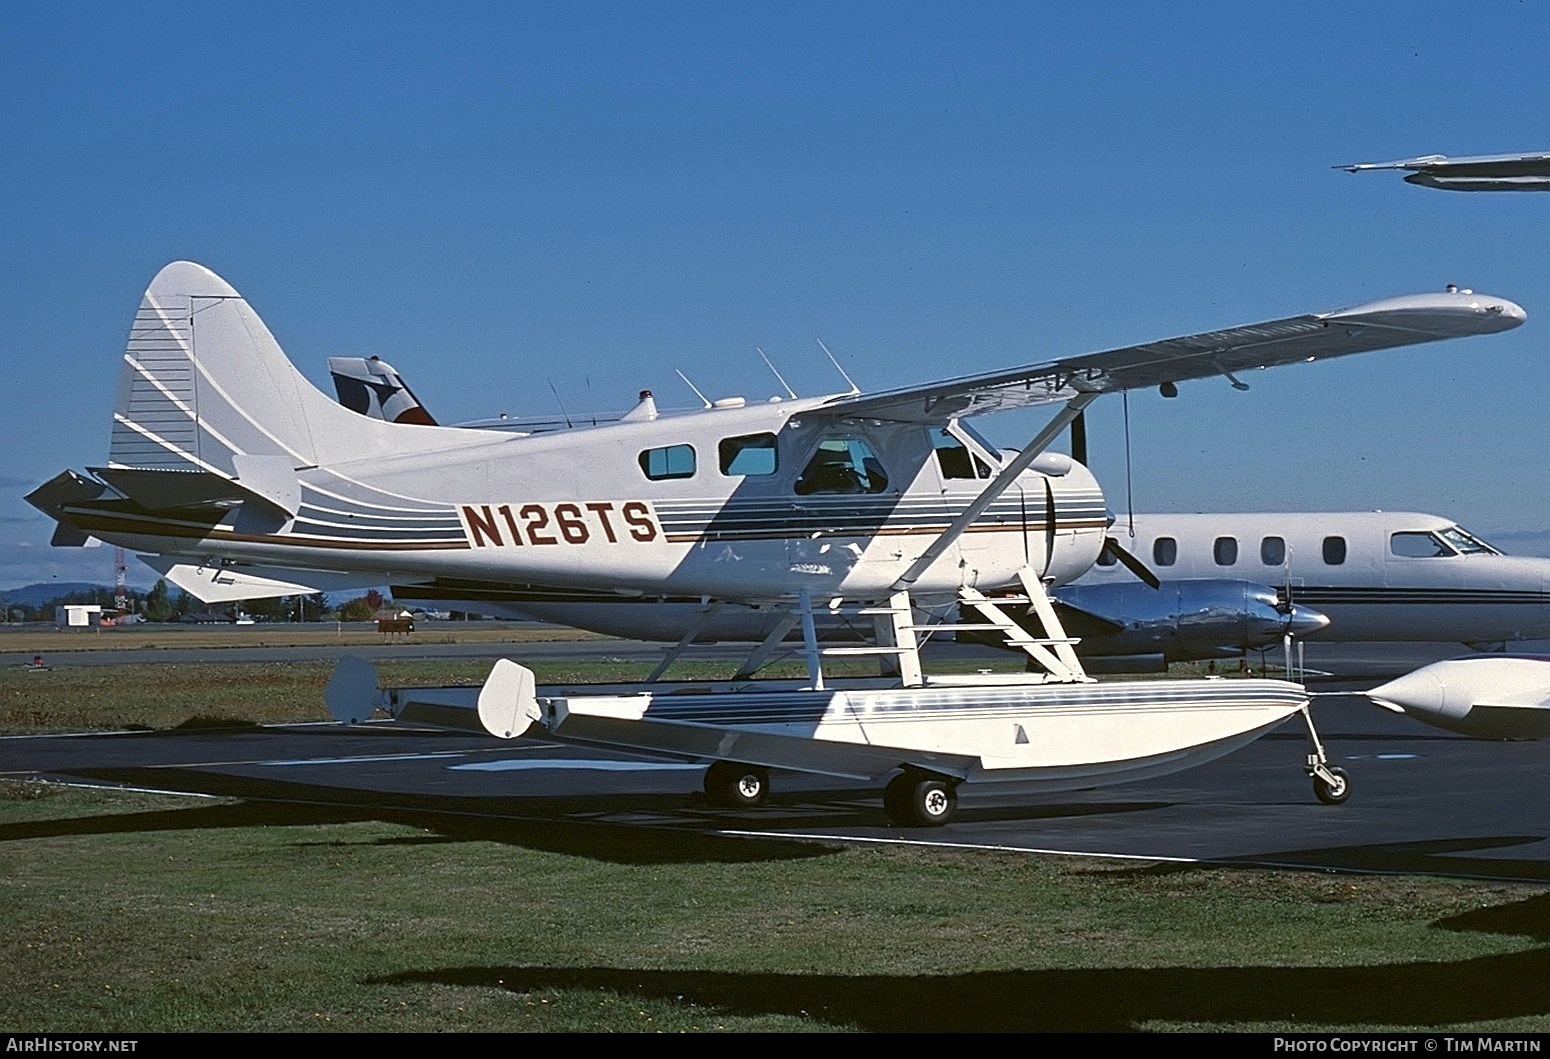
{"x":130,"y":912}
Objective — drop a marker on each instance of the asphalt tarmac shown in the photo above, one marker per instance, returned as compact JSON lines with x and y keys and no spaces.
{"x":1423,"y":800}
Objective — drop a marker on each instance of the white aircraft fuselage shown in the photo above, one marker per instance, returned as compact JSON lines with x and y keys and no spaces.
{"x":1378,"y":576}
{"x":226,"y":465}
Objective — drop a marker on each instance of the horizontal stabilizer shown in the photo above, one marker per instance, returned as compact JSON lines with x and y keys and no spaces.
{"x":157,"y":490}
{"x":65,"y":488}
{"x":67,"y":536}
{"x":225,"y":584}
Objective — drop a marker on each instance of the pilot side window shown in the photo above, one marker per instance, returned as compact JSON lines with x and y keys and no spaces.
{"x":674,"y":461}
{"x":1334,"y":551}
{"x":842,"y":465}
{"x":955,"y":459}
{"x":1417,"y":546}
{"x":1272,"y":551}
{"x":1225,"y":551}
{"x":748,"y":454}
{"x":1165,"y":551}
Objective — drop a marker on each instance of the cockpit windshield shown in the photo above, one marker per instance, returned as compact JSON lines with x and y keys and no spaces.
{"x":1466,"y":543}
{"x":1420,"y":544}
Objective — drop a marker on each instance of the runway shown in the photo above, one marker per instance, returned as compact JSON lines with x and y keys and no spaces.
{"x":1423,"y":801}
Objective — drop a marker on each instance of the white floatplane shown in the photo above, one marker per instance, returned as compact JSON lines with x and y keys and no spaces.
{"x":236,"y":478}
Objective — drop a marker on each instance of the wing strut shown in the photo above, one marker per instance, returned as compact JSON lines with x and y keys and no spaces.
{"x":684,"y":641}
{"x":993,"y":490}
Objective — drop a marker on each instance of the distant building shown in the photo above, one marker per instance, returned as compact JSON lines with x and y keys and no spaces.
{"x":78,"y":616}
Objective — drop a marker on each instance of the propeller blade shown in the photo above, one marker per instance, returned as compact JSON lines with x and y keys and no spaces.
{"x":1130,"y":562}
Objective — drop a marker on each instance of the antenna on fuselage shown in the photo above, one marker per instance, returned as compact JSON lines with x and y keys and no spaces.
{"x":784,"y":385}
{"x":703,"y":399}
{"x":854,"y":389}
{"x":560,"y":402}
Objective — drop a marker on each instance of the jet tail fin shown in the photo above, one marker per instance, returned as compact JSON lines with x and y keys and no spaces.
{"x":370,"y":386}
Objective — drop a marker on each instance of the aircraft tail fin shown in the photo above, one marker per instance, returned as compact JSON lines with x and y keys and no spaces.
{"x":205,"y":388}
{"x":370,"y":386}
{"x":204,"y":381}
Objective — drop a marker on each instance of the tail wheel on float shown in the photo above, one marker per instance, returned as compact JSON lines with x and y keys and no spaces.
{"x":736,"y":785}
{"x":913,"y":800}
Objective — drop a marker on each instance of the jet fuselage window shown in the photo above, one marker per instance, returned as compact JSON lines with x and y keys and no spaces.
{"x":748,"y":454}
{"x":1272,"y":551}
{"x":1334,"y":551}
{"x":1165,"y":551}
{"x":1225,"y":551}
{"x":673,"y":461}
{"x":1417,"y":546}
{"x":842,"y":465}
{"x":1107,"y":557}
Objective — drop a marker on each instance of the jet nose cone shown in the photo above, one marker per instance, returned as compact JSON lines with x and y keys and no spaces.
{"x":1511,"y":312}
{"x":1304,"y":621}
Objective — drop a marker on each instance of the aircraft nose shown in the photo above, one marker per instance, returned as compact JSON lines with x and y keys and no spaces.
{"x":1514,"y":312}
{"x":1421,"y":693}
{"x":1304,"y":621}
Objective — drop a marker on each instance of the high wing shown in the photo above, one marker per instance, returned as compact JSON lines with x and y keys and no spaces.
{"x":1484,"y":172}
{"x":1316,"y":336}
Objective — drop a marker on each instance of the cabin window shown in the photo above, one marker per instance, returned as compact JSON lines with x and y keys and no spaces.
{"x":842,"y":465}
{"x":748,"y":454}
{"x":1225,"y":551}
{"x":1272,"y":551}
{"x":1107,"y":557}
{"x":1417,"y":546}
{"x":1334,"y":551}
{"x":955,"y":459}
{"x":1165,"y":551}
{"x":674,"y":461}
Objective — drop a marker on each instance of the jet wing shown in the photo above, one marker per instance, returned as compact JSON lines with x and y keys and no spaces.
{"x":1485,"y":172}
{"x":1376,"y":325}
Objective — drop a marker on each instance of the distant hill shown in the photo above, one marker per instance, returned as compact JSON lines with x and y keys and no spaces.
{"x":39,"y":594}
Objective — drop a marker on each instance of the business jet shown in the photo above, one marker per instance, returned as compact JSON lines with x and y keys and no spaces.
{"x":235,"y":475}
{"x":1378,"y":576}
{"x":1486,"y":172}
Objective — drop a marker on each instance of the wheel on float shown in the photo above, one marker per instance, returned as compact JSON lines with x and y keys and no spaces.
{"x":913,"y":800}
{"x":1332,"y":792}
{"x":737,"y":785}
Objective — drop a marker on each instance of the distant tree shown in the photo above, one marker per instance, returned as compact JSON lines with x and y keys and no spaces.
{"x":185,"y":604}
{"x":158,"y":607}
{"x":357,"y":609}
{"x":271,"y":609}
{"x":375,"y":599}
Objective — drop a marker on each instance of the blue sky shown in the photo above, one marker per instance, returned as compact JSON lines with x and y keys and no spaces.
{"x":516,"y":201}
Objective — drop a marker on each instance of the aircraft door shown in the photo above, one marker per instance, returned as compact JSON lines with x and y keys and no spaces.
{"x":843,"y":496}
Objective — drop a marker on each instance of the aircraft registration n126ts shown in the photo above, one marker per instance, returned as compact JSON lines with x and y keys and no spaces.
{"x":232,"y":471}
